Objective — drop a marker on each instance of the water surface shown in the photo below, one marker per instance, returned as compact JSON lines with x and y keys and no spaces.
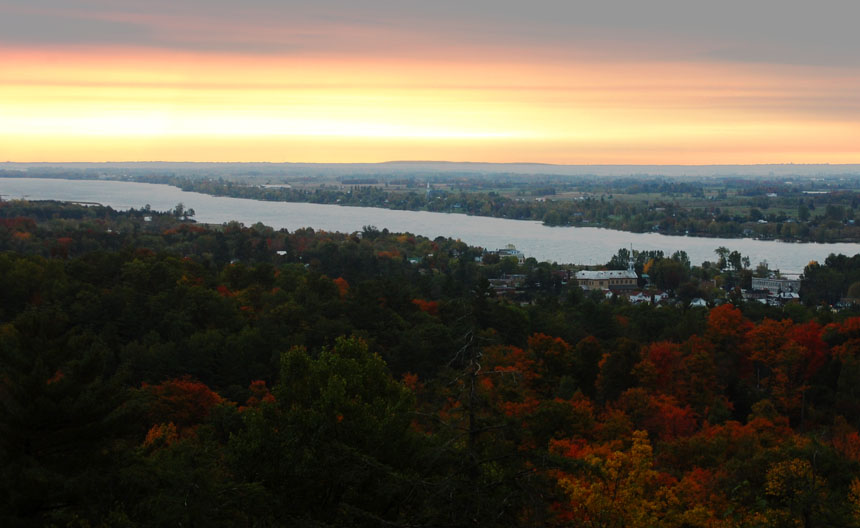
{"x":582,"y":245}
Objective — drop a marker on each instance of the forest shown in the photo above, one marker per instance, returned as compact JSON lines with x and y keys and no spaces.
{"x":157,"y":372}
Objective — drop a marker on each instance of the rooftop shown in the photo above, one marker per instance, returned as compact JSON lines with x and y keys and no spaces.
{"x":606,"y":274}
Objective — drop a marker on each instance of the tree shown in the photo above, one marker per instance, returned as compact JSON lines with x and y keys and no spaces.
{"x":668,"y":274}
{"x":722,"y":254}
{"x":736,"y":260}
{"x":796,"y":491}
{"x":620,"y":488}
{"x":336,"y":445}
{"x":64,"y":420}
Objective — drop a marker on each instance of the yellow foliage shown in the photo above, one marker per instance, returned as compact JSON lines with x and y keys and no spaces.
{"x":622,"y":491}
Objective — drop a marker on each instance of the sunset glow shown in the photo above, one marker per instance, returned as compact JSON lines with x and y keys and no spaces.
{"x":99,"y":103}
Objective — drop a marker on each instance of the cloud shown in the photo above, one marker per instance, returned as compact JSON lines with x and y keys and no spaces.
{"x":53,"y":29}
{"x":777,"y":31}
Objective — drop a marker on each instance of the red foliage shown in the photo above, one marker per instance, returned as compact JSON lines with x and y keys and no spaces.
{"x":666,"y":358}
{"x":521,"y":409}
{"x":430,"y":307}
{"x":849,"y":327}
{"x":184,"y":228}
{"x":183,"y":401}
{"x":848,"y":445}
{"x":58,"y":376}
{"x":697,"y":485}
{"x":815,"y":353}
{"x":259,"y":394}
{"x":669,"y":420}
{"x":568,"y":447}
{"x":548,"y":346}
{"x":20,"y":223}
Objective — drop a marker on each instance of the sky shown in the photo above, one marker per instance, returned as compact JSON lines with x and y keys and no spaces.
{"x":566,"y":82}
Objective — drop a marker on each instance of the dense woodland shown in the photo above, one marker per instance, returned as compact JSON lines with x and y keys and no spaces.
{"x":157,"y":372}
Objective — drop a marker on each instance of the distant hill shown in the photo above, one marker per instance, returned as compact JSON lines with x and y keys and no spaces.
{"x":446,"y":167}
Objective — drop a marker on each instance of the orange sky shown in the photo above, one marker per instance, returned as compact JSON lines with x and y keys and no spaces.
{"x":141,"y":103}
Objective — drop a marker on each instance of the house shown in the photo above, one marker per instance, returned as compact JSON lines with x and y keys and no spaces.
{"x":508,"y":285}
{"x":640,"y":298}
{"x":511,"y":281}
{"x":511,"y":251}
{"x":698,"y":302}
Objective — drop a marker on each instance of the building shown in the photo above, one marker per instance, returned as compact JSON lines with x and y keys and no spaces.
{"x":776,"y":286}
{"x":607,"y":280}
{"x":511,"y":251}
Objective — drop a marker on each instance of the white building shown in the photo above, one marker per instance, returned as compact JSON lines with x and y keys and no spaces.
{"x":776,"y":286}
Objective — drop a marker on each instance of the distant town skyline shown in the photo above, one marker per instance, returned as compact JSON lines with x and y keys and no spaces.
{"x":616,"y":82}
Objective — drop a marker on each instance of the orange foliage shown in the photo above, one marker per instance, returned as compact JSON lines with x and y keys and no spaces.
{"x":727,"y":321}
{"x":411,"y":381}
{"x":161,"y":434}
{"x":733,"y":439}
{"x":511,"y":359}
{"x":342,"y":286}
{"x":765,"y":340}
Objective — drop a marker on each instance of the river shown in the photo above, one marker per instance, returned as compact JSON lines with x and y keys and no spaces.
{"x":580,"y":245}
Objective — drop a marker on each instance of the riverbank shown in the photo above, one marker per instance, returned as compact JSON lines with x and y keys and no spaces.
{"x":674,"y":209}
{"x":575,"y":245}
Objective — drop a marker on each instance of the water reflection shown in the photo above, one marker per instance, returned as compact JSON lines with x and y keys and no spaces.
{"x":584,"y":245}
